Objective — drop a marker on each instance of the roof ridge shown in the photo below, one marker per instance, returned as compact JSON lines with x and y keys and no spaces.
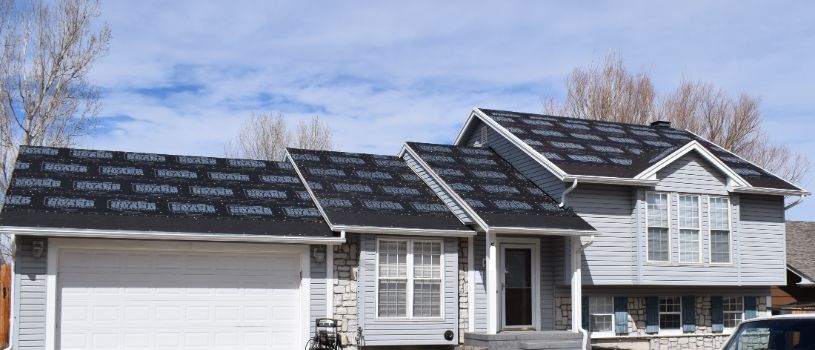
{"x":581,"y":119}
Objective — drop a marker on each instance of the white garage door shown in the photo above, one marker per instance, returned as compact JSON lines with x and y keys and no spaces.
{"x":178,"y":300}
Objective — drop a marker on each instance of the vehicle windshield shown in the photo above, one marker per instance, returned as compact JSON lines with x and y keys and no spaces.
{"x":774,"y":334}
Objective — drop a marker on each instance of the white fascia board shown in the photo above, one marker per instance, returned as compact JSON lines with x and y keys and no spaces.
{"x":546,"y":163}
{"x":805,"y":282}
{"x":770,"y":191}
{"x":694,"y":145}
{"x":482,"y":225}
{"x":542,"y":231}
{"x":607,"y":180}
{"x":465,"y":128}
{"x":160,"y":235}
{"x":308,"y":189}
{"x":405,"y":231}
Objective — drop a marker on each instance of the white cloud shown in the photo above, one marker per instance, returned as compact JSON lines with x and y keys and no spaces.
{"x":380,"y":73}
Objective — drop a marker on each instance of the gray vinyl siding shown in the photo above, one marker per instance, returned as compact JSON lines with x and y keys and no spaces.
{"x":29,"y":297}
{"x":762,"y":233}
{"x":551,"y":257}
{"x":609,"y":209}
{"x":377,"y":331}
{"x":436,"y":187}
{"x":479,"y":254}
{"x":317,"y":290}
{"x":691,"y":173}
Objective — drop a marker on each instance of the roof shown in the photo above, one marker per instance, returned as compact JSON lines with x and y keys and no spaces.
{"x":495,"y":191}
{"x":106,"y":190}
{"x":368,"y":190}
{"x":608,"y":149}
{"x":801,"y":248}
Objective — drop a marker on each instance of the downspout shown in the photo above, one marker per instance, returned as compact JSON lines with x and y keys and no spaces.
{"x":798,"y":201}
{"x":566,"y":192}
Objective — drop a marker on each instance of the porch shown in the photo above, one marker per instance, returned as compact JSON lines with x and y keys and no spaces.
{"x":517,"y":283}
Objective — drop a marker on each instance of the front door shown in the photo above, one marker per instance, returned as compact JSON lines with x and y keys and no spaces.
{"x":517,"y":287}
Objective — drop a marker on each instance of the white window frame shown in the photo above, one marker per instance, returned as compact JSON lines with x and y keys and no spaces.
{"x":409,"y":280}
{"x":669,"y":331}
{"x":725,"y":312}
{"x":698,"y":227}
{"x":610,"y":333}
{"x":729,"y":231}
{"x":647,"y":227}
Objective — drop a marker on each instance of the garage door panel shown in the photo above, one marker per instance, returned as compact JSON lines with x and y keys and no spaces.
{"x":156,"y":300}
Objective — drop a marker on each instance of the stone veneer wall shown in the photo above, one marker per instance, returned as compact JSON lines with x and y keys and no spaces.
{"x":702,"y":338}
{"x":346,"y":266}
{"x":463,"y":301}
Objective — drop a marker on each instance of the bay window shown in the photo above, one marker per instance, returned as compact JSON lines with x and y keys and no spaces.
{"x":659,"y":241}
{"x":409,"y":277}
{"x":689,"y":226}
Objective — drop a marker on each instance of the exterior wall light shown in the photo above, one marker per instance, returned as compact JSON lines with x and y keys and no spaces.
{"x":37,"y":248}
{"x":318,"y":254}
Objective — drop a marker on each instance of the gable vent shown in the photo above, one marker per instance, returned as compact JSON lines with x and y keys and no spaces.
{"x":661,"y":124}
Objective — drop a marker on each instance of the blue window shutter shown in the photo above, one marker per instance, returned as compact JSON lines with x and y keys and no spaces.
{"x":585,"y":312}
{"x":652,"y":315}
{"x":689,"y":314}
{"x":750,"y":308}
{"x":621,"y":315}
{"x":717,"y":316}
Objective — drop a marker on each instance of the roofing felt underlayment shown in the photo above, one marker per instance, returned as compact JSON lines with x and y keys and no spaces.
{"x":89,"y":189}
{"x":598,"y":148}
{"x":356,"y":189}
{"x":497,"y":192}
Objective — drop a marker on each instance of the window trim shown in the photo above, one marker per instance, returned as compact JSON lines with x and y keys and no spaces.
{"x":725,"y":312}
{"x":647,"y":227}
{"x":669,"y":331}
{"x":409,"y":280}
{"x":698,"y":228}
{"x":729,"y":231}
{"x":610,"y":333}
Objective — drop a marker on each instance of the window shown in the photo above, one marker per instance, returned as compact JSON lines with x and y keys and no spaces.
{"x":427,"y":276}
{"x":720,"y":230}
{"x":601,"y":314}
{"x":689,"y":249}
{"x":733,"y":311}
{"x":658,"y":229}
{"x":409,"y":278}
{"x":670,"y":313}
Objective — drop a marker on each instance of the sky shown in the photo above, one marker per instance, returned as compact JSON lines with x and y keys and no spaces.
{"x":182,"y":76}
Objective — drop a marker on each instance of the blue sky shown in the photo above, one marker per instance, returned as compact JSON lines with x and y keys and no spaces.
{"x":181,"y":76}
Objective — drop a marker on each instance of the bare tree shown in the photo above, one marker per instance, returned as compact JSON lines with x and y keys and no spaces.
{"x":609,"y":92}
{"x":45,"y":96}
{"x":313,"y":134}
{"x":266,"y":136}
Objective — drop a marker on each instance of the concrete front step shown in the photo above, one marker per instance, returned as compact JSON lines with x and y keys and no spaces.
{"x":528,"y":340}
{"x":552,"y":345}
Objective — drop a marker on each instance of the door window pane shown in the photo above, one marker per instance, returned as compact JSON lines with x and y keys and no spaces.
{"x":518,"y":287}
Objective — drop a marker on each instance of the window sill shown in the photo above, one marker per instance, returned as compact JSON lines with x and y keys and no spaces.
{"x":602,"y":335}
{"x":671,"y":332}
{"x":405,"y":319}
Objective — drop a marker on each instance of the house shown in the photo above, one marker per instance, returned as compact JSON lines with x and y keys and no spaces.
{"x":798,"y":294}
{"x":529,"y":231}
